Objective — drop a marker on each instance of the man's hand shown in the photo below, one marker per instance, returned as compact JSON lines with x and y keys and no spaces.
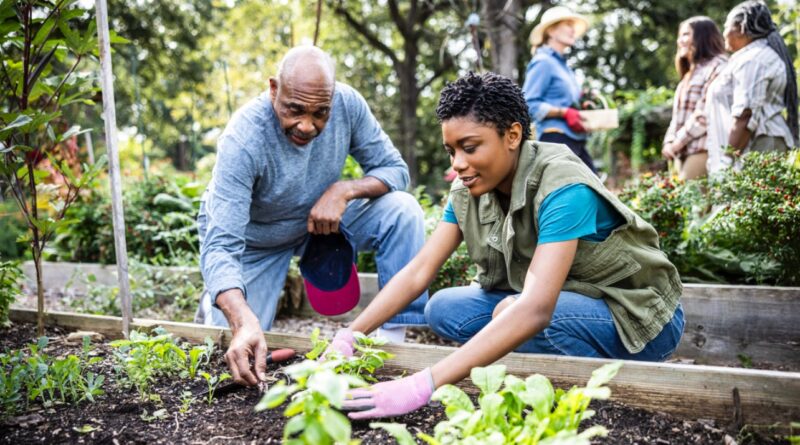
{"x":327,"y":212}
{"x":248,"y":340}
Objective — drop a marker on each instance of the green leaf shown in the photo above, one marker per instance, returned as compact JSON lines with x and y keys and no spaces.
{"x":454,"y":400}
{"x":330,"y":385}
{"x":488,"y":379}
{"x":294,"y":426}
{"x":276,"y":395}
{"x":492,"y":407}
{"x":397,"y":430}
{"x":84,"y":429}
{"x":335,"y":424}
{"x":20,"y":121}
{"x":604,"y":374}
{"x":538,"y":394}
{"x":44,"y":31}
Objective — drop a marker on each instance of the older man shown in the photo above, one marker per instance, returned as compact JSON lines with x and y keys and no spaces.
{"x":277,"y":180}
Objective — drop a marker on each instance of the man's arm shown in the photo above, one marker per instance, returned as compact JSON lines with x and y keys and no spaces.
{"x":228,"y":212}
{"x":384,"y":168}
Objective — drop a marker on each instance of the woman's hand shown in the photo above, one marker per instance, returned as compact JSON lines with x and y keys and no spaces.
{"x":342,"y":343}
{"x":573,"y":118}
{"x":669,"y":151}
{"x":393,"y":398}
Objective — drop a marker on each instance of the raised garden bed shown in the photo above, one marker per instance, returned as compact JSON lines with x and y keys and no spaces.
{"x":651,"y":403}
{"x":727,"y":325}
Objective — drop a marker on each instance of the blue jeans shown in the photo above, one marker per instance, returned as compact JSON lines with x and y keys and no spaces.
{"x":581,"y":326}
{"x":391,"y":225}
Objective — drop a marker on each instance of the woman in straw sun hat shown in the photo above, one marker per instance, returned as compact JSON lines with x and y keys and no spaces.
{"x":550,"y":86}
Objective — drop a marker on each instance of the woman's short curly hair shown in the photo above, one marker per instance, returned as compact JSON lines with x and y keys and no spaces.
{"x":488,"y":98}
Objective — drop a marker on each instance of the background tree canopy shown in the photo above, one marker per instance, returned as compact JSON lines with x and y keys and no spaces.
{"x":190,"y":64}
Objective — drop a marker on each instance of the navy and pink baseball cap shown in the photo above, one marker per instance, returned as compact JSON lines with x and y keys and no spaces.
{"x":329,"y":273}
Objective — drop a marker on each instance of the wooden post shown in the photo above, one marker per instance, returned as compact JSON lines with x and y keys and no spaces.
{"x":110,"y":118}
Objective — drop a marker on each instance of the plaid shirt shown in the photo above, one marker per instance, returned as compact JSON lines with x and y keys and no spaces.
{"x":687,"y":129}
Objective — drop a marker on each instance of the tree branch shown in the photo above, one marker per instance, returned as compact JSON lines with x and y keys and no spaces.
{"x":397,"y":18}
{"x":361,"y":28}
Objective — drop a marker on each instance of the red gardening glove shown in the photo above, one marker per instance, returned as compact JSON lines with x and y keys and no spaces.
{"x":573,"y":118}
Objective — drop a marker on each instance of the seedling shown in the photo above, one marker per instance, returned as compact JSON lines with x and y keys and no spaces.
{"x":512,"y":410}
{"x":316,"y":395}
{"x":159,"y":414}
{"x":64,"y":380}
{"x":212,"y":382}
{"x":141,"y":358}
{"x":187,"y":398}
{"x":367,"y":359}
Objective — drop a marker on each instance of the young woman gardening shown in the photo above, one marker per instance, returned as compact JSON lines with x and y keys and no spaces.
{"x":564,"y":266}
{"x":699,"y":60}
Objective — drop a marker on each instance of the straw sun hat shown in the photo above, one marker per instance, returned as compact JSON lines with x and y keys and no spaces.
{"x":554,"y":15}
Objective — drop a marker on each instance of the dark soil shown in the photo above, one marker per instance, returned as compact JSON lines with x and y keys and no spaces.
{"x":117,"y":418}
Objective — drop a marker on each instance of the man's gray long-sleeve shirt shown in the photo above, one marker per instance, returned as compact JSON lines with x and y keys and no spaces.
{"x":263,"y":187}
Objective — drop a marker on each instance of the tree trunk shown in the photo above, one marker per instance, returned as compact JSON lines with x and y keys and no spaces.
{"x":409,"y":97}
{"x":37,"y":261}
{"x":502,"y":22}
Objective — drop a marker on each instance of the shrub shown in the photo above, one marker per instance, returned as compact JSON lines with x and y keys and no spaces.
{"x":159,"y":220}
{"x":741,"y":227}
{"x":10,"y":279}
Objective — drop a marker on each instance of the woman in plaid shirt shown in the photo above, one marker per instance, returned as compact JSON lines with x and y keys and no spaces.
{"x":699,"y":59}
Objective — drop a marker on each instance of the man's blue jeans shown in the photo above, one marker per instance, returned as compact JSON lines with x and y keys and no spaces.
{"x":581,"y":326}
{"x":391,"y":225}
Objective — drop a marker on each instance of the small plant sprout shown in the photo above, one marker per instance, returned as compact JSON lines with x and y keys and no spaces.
{"x":213,"y":382}
{"x":367,"y":359}
{"x":512,"y":410}
{"x":187,"y":398}
{"x":316,"y":395}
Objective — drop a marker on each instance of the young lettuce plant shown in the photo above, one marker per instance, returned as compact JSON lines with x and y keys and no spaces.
{"x":142,"y":357}
{"x":316,"y":394}
{"x":213,"y":381}
{"x":367,"y":359}
{"x":512,"y":410}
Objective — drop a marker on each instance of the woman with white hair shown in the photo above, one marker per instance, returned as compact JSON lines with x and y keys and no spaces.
{"x":550,"y":88}
{"x":746,"y":102}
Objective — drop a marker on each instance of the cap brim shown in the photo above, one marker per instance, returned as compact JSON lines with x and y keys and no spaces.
{"x":335,"y":302}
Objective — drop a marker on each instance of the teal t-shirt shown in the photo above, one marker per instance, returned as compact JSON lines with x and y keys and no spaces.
{"x":574,"y":211}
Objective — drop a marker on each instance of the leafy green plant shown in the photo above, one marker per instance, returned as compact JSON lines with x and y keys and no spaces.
{"x":44,"y":43}
{"x":37,"y":376}
{"x":141,"y":358}
{"x":714,"y":230}
{"x":367,"y":358}
{"x":187,"y":398}
{"x":10,"y":287}
{"x":316,"y":395}
{"x":155,"y":293}
{"x":213,"y":381}
{"x":199,"y":356}
{"x":512,"y":410}
{"x":160,"y":220}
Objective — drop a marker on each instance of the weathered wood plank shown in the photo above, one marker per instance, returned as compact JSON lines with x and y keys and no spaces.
{"x":724,"y":321}
{"x":692,"y":391}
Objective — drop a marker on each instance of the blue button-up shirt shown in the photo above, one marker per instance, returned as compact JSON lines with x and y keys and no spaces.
{"x":550,"y":83}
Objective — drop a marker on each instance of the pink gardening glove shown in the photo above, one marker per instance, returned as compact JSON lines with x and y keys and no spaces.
{"x":342,"y":343}
{"x":573,"y":118}
{"x":388,"y":399}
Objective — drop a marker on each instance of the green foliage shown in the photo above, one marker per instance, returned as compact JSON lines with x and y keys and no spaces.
{"x":31,"y":375}
{"x":159,"y":219}
{"x":12,"y":244}
{"x":367,"y":358}
{"x":141,"y":358}
{"x":714,"y":230}
{"x":213,"y":381}
{"x":10,"y":287}
{"x":512,"y":410}
{"x":155,"y":293}
{"x":316,"y":395}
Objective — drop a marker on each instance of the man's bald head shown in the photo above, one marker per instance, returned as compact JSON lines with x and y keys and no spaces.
{"x":302,"y":93}
{"x":306,"y":64}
